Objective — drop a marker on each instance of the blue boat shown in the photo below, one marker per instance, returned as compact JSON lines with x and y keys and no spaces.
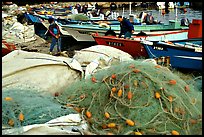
{"x":184,"y":54}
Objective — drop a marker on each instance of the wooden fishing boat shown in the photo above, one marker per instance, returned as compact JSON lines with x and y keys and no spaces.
{"x":133,"y":45}
{"x":88,"y":26}
{"x":136,"y":49}
{"x":44,"y":12}
{"x":184,"y":54}
{"x":102,"y":29}
{"x":67,"y":19}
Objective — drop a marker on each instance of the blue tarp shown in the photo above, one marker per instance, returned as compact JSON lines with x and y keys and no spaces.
{"x":32,"y":18}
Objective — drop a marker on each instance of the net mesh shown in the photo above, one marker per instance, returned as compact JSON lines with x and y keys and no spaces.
{"x":25,"y":107}
{"x":136,"y":98}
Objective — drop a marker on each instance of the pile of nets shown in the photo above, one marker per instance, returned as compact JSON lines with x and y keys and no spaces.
{"x":26,"y":107}
{"x":191,"y":78}
{"x":136,"y":97}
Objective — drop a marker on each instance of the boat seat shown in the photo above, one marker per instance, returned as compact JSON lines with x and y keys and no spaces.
{"x":189,"y":46}
{"x":179,"y":45}
{"x":192,"y":44}
{"x":196,"y":45}
{"x":188,"y":43}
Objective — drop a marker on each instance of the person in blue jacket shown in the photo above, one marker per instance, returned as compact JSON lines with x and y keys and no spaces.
{"x":126,"y":28}
{"x":55,"y":32}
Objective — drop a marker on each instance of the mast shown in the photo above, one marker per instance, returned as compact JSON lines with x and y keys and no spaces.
{"x":176,"y":13}
{"x":130,"y":7}
{"x":123,"y":11}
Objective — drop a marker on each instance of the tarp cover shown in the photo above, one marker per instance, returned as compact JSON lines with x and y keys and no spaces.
{"x":18,"y":33}
{"x":46,"y":73}
{"x":99,"y":56}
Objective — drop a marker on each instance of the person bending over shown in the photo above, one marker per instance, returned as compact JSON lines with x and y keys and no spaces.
{"x":126,"y":28}
{"x":55,"y":32}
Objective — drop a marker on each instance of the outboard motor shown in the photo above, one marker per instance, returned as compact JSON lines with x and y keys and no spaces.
{"x":185,"y":22}
{"x":110,"y":33}
{"x":141,"y":33}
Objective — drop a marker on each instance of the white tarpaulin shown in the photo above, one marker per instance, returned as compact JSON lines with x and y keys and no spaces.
{"x":17,"y":32}
{"x":46,"y":73}
{"x":99,"y":56}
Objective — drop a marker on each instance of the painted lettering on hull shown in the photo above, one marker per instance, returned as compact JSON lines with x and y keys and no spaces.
{"x":114,"y":43}
{"x":158,"y":48}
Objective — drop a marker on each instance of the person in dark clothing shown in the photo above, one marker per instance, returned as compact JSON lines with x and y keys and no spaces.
{"x":149,"y":19}
{"x":85,"y":9}
{"x":96,"y":6}
{"x":166,"y":7}
{"x":55,"y":32}
{"x":126,"y":28}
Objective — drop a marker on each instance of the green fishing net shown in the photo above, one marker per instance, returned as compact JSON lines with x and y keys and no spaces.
{"x":136,"y":98}
{"x":25,"y":107}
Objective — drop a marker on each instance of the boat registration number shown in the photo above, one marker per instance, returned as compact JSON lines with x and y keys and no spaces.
{"x":114,"y":43}
{"x":198,"y":49}
{"x":158,"y":48}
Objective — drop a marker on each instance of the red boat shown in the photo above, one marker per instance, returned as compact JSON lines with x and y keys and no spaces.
{"x":7,"y":47}
{"x":133,"y":45}
{"x":136,"y":49}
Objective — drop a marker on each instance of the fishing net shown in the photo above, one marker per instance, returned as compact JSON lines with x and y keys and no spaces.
{"x":136,"y":97}
{"x":191,"y":78}
{"x":26,"y":107}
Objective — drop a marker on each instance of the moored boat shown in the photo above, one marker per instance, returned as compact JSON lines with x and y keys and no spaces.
{"x":184,"y":54}
{"x":92,"y":28}
{"x":88,"y":26}
{"x":133,"y":45}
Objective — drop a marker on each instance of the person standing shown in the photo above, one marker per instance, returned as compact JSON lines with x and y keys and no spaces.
{"x":85,"y":9}
{"x":126,"y":28}
{"x":96,"y":6}
{"x":55,"y":32}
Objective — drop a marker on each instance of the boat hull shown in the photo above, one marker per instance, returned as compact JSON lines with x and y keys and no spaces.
{"x":173,"y":25}
{"x":133,"y":47}
{"x":180,"y":56}
{"x":7,"y":47}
